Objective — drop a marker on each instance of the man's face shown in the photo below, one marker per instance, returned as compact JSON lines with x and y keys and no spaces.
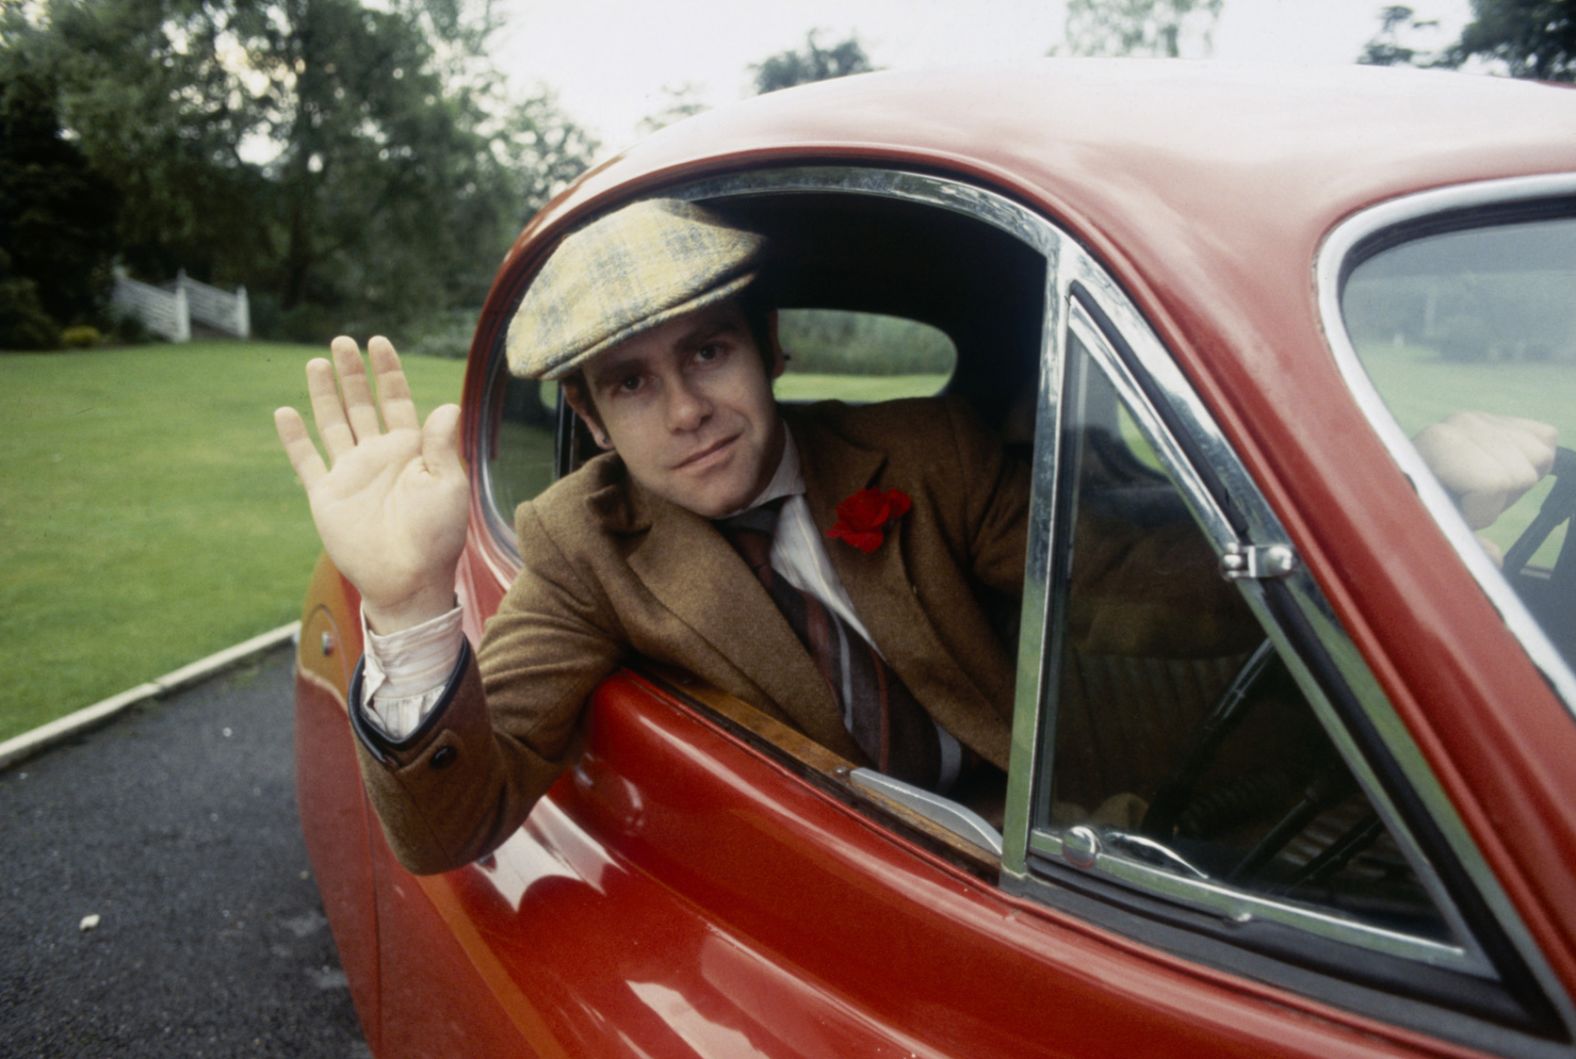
{"x":688,"y":406}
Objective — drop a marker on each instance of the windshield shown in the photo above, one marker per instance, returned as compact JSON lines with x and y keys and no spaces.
{"x":1470,"y":332}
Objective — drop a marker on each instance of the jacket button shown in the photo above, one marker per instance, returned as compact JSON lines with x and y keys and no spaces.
{"x":442,"y":758}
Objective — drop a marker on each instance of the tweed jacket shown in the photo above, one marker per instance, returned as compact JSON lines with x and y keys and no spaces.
{"x":612,"y":572}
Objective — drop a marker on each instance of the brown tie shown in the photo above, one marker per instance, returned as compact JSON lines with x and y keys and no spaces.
{"x":891,"y":728}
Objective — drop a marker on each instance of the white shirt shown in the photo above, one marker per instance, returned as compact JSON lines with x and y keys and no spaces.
{"x":406,"y":673}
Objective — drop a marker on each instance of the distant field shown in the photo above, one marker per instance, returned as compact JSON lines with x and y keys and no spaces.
{"x":147,"y":516}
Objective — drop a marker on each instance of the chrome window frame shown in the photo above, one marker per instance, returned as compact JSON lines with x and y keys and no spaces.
{"x":1262,"y":528}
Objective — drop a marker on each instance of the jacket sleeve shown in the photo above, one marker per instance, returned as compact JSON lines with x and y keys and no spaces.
{"x":508,"y":723}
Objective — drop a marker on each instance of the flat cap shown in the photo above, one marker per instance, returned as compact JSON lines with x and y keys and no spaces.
{"x":623,"y":274}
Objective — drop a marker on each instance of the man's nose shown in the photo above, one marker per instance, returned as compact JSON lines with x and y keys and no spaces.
{"x":688,"y":405}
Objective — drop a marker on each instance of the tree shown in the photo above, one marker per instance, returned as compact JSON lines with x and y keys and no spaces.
{"x":57,"y":220}
{"x":1523,"y":38}
{"x":343,"y":159}
{"x":1166,"y":28}
{"x":811,"y":63}
{"x":1387,"y":48}
{"x":1528,"y":38}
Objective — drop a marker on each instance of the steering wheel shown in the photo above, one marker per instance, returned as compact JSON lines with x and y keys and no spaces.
{"x":1176,"y":793}
{"x":1557,"y":507}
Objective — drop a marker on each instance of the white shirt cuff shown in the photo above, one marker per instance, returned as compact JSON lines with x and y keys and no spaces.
{"x":405,"y":673}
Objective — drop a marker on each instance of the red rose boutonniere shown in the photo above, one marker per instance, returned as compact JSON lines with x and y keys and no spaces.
{"x":863,"y":518}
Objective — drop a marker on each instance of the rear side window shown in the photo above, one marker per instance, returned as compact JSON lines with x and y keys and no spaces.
{"x":1483,"y":320}
{"x":854,"y":356}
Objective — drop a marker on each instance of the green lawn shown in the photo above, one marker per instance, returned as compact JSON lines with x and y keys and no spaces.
{"x":148,"y":517}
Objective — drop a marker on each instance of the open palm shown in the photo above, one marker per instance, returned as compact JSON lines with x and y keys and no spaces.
{"x":391,"y":501}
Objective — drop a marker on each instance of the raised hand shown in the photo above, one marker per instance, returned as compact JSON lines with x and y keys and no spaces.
{"x":392,"y":501}
{"x":1486,"y":462}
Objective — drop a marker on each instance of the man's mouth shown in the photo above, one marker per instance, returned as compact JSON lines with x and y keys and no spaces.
{"x":701,"y":456}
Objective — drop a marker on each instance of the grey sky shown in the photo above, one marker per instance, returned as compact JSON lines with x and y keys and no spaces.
{"x":609,"y":60}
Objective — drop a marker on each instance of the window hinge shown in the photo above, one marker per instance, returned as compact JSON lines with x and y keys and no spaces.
{"x":1257,"y":561}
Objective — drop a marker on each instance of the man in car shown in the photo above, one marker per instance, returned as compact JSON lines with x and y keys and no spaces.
{"x":826,"y":565}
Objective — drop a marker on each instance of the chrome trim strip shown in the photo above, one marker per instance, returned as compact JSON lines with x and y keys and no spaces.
{"x":1328,"y":267}
{"x":957,"y":819}
{"x":1242,"y":907}
{"x":498,"y":521}
{"x":1034,"y":704}
{"x":987,"y":206}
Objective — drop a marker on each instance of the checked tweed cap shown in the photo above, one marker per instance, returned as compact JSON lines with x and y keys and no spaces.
{"x":623,"y":274}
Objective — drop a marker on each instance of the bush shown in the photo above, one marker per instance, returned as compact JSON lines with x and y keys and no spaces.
{"x":82,"y":336}
{"x":311,"y":323}
{"x":443,"y":334}
{"x":23,"y":322}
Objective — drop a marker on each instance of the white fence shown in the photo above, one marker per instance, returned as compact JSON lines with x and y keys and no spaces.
{"x":169,"y":312}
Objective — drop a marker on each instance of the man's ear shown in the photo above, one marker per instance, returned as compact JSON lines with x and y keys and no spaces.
{"x":776,"y":359}
{"x":575,"y":394}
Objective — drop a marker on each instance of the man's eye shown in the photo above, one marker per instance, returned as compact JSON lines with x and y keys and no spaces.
{"x":628,"y":384}
{"x":709,"y":352}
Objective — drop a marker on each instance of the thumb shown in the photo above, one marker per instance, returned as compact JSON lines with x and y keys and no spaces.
{"x":440,"y":441}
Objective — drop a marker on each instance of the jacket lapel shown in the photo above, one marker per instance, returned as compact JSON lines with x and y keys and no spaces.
{"x":877,"y":583}
{"x":884,"y":594}
{"x":693,"y":571}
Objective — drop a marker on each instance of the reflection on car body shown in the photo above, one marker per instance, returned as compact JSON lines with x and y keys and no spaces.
{"x":1290,"y":764}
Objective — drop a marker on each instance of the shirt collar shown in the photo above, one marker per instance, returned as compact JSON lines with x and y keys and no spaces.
{"x":788,"y":479}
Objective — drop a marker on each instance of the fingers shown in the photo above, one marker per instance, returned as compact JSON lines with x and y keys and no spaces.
{"x":1536,"y":441}
{"x":1522,"y":449}
{"x":362,"y":414}
{"x":327,"y":410}
{"x":440,"y":441}
{"x":1487,"y":461}
{"x":341,"y":395}
{"x":298,"y":446}
{"x":399,"y":411}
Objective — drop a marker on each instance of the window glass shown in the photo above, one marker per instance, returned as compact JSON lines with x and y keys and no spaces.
{"x":860,"y":357}
{"x":1180,"y":739}
{"x":1484,"y":320}
{"x":519,"y":450}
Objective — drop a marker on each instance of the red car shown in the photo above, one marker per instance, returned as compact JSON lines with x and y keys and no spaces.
{"x":1293,"y":774}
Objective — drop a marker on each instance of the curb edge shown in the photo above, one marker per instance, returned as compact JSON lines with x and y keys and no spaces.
{"x":21,"y":747}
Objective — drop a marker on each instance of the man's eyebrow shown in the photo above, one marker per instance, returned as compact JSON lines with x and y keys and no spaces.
{"x":598,"y":375}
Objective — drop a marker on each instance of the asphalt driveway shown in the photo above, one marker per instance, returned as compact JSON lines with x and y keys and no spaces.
{"x":175,"y":825}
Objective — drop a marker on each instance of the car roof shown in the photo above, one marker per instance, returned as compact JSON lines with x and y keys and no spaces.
{"x":1143,"y":153}
{"x":1206,"y":189}
{"x":1194,"y":183}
